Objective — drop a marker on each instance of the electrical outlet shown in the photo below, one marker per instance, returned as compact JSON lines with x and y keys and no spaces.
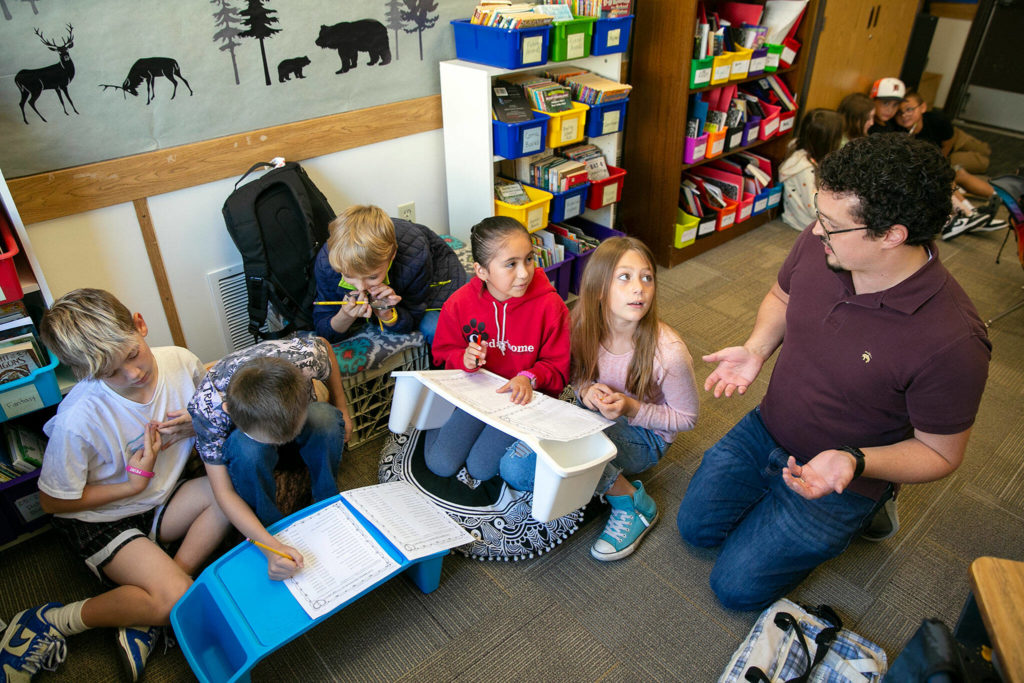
{"x":407,"y":211}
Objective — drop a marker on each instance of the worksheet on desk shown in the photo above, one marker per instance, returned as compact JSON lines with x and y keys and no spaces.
{"x":408,"y":518}
{"x":341,"y":559}
{"x":543,"y":417}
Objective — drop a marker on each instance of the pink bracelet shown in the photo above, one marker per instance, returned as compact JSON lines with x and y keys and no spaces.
{"x":132,"y":469}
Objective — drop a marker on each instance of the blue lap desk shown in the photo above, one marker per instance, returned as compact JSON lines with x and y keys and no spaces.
{"x":234,"y":615}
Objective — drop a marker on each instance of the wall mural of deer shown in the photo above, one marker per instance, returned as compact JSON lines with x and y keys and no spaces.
{"x":148,"y":69}
{"x":56,"y":77}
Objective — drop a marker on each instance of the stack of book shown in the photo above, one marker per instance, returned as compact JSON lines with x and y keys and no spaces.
{"x":557,"y":174}
{"x":592,"y":156}
{"x":504,"y":14}
{"x":21,"y":354}
{"x":616,"y":8}
{"x":509,"y":103}
{"x":547,"y":250}
{"x":510,"y":192}
{"x":543,"y":93}
{"x":592,"y":89}
{"x":21,"y":451}
{"x":772,"y":89}
{"x":572,"y":238}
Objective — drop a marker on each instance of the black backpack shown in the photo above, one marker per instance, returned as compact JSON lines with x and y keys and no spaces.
{"x":278,"y":222}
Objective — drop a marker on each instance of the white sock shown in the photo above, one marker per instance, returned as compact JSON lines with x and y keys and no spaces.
{"x":67,"y":619}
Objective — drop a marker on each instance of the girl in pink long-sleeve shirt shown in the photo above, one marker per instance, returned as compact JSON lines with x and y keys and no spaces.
{"x":633,"y":369}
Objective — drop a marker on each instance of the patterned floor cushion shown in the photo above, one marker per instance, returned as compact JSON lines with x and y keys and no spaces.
{"x":495,"y":515}
{"x":368,"y":348}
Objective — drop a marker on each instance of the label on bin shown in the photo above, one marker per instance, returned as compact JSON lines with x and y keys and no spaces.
{"x":706,"y":227}
{"x":570,"y":129}
{"x":758,"y":64}
{"x":535,"y":219}
{"x":575,"y":45}
{"x":735,"y":139}
{"x":610,"y":122}
{"x":717,"y":146}
{"x":771,"y":128}
{"x":609,"y":193}
{"x":788,"y":55}
{"x":740,"y":66}
{"x":20,"y":400}
{"x":728,"y":219}
{"x":532,"y":49}
{"x":613,"y":37}
{"x":722,"y":72}
{"x":773,"y":60}
{"x":760,"y":204}
{"x":573,"y":206}
{"x":29,"y":507}
{"x":744,"y":212}
{"x":785,"y":124}
{"x":531,"y":140}
{"x":702,"y":76}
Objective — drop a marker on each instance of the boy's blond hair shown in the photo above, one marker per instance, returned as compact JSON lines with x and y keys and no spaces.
{"x":89,"y":330}
{"x":362,"y":240}
{"x":270,"y":396}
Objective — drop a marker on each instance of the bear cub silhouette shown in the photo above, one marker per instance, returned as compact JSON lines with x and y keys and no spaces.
{"x":291,"y":67}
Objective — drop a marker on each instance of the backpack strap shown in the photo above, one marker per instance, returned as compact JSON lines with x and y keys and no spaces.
{"x":255,"y":166}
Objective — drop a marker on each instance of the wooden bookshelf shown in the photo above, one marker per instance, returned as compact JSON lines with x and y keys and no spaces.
{"x":663,"y":33}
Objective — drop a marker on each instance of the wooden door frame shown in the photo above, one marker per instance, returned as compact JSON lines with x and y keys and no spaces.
{"x":958,"y":86}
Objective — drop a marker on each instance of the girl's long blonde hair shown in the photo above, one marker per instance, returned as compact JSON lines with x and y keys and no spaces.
{"x":590,"y":320}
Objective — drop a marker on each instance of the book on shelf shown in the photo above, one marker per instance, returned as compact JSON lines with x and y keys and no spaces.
{"x":592,"y":89}
{"x":510,"y":192}
{"x":572,"y":238}
{"x":549,"y":97}
{"x":17,"y":361}
{"x":560,"y":72}
{"x":593,"y":157}
{"x":13,"y":310}
{"x":557,"y":11}
{"x":509,"y":103}
{"x":612,"y":9}
{"x":509,"y":16}
{"x":25,"y":447}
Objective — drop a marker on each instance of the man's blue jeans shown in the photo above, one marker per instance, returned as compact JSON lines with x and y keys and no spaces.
{"x":771,"y":538}
{"x":638,"y":450}
{"x":251,"y":463}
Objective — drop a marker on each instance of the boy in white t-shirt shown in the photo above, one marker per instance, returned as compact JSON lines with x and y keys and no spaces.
{"x":111,"y":477}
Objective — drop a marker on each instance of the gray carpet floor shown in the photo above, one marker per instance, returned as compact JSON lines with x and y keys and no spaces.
{"x":652,"y":616}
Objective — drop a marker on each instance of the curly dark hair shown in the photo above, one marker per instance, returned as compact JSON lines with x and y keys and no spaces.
{"x":898,"y":180}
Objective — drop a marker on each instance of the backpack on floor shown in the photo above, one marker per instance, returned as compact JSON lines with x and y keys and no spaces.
{"x":278,"y":222}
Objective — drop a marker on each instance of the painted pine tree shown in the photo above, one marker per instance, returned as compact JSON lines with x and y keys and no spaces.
{"x":258,"y":19}
{"x":7,"y":12}
{"x":226,"y":19}
{"x":33,"y":3}
{"x":393,"y":19}
{"x":418,"y":14}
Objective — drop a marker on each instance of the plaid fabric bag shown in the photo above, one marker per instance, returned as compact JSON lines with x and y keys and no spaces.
{"x":791,"y":643}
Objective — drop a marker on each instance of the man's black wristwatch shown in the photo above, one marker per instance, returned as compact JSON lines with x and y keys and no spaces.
{"x":858,"y":455}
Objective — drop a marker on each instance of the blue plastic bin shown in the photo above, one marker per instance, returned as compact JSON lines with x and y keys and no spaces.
{"x":514,"y":140}
{"x":774,"y":196}
{"x":504,"y":47}
{"x":36,"y":391}
{"x":567,"y":204}
{"x":604,"y":119}
{"x":760,"y":202}
{"x":559,"y":274}
{"x":580,"y":262}
{"x":611,"y":35}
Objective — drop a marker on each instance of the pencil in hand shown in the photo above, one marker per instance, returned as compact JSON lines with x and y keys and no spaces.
{"x":267,"y":547}
{"x":339,"y":303}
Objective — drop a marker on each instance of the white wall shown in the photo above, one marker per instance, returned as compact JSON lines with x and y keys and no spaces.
{"x":104,"y":248}
{"x":944,"y":53}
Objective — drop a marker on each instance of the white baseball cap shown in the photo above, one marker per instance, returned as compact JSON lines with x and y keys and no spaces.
{"x":888,"y":89}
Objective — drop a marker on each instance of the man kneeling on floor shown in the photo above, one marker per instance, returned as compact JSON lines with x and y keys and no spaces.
{"x":878,"y":381}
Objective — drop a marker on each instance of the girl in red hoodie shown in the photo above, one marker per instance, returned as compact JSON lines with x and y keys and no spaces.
{"x":510,"y":320}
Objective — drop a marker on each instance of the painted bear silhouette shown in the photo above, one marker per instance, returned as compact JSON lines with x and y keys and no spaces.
{"x":350,"y":38}
{"x":291,"y":67}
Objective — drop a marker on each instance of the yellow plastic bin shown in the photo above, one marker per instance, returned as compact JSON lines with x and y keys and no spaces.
{"x":740,"y":64}
{"x":567,"y":127}
{"x":686,"y":229}
{"x":533,"y":214}
{"x":721,"y":68}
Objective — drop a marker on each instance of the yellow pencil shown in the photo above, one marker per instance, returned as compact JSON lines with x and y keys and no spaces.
{"x":339,"y":303}
{"x":267,"y":547}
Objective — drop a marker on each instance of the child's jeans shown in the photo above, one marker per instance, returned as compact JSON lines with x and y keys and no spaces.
{"x":251,"y":463}
{"x":638,"y":448}
{"x":465,"y":440}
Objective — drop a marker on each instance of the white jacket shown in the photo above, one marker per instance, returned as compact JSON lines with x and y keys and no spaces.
{"x":797,"y":176}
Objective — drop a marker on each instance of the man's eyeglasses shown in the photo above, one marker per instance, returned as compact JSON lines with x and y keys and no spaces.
{"x":826,"y":223}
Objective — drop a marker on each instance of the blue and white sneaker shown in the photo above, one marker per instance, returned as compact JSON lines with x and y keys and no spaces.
{"x":632,"y":517}
{"x":135,"y":645}
{"x":31,"y":643}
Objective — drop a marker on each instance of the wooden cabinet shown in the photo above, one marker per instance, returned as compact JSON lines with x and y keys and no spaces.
{"x":655,"y":129}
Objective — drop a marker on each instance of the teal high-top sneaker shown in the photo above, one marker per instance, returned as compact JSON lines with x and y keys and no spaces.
{"x":632,"y":517}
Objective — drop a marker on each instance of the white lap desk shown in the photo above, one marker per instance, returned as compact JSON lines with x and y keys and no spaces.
{"x":567,"y":471}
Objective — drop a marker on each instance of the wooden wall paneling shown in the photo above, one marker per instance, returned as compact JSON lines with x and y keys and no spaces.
{"x":842,"y":45}
{"x":74,"y":190}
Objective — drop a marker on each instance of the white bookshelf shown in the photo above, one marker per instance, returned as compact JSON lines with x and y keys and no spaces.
{"x":470,"y":161}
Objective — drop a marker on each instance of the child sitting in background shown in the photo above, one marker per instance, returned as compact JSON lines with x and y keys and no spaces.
{"x":633,"y":369}
{"x":528,"y":343}
{"x":111,"y":476}
{"x":858,"y":112}
{"x":887,"y":94}
{"x":370,"y":257}
{"x":820,"y":132}
{"x":251,"y":403}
